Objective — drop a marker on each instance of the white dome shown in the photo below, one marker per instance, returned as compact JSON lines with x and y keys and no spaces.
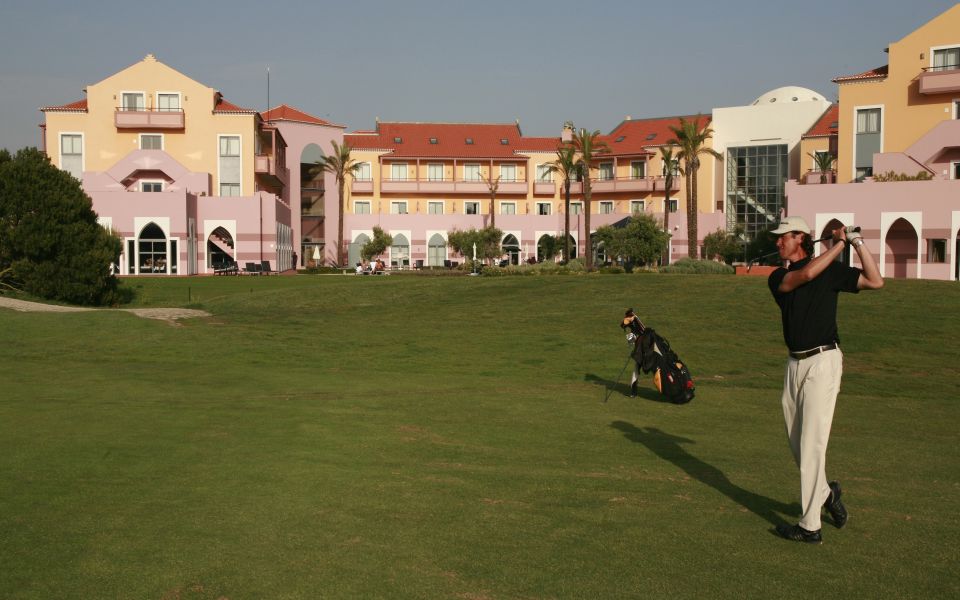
{"x":789,"y":93}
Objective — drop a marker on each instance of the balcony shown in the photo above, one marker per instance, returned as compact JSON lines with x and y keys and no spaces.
{"x":361,"y":186}
{"x":446,"y":186}
{"x":266,"y":169}
{"x":544,"y":188}
{"x":940,"y":80}
{"x":148,"y":119}
{"x":624,"y":184}
{"x":813,"y":177}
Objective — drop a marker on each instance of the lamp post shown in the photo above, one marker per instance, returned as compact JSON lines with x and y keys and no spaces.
{"x":474,"y":259}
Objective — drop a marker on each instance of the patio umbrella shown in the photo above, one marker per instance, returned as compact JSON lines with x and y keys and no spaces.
{"x":316,"y":253}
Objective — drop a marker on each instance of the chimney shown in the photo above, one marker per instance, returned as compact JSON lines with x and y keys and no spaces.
{"x":566,"y":136}
{"x":628,"y":118}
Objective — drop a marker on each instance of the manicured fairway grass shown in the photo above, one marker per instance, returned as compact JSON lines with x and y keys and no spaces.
{"x":417,"y":437}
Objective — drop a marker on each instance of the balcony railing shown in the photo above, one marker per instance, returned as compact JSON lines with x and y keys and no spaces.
{"x":265,"y":166}
{"x":125,"y":118}
{"x":448,"y":186}
{"x":632,"y":184}
{"x":940,"y":80}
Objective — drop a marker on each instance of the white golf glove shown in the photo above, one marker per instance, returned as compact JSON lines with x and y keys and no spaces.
{"x":631,"y":338}
{"x":853,"y":235}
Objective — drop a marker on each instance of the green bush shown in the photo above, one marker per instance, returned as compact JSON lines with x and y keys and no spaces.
{"x":51,"y":245}
{"x":612,"y":270}
{"x":699,"y":267}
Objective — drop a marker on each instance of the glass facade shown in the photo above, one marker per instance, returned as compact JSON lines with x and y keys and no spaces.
{"x":755,"y":183}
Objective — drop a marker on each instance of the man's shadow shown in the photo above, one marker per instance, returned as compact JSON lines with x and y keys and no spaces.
{"x":612,"y":387}
{"x":668,"y":447}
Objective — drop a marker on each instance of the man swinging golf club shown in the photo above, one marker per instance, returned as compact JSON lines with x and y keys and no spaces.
{"x":806,"y":292}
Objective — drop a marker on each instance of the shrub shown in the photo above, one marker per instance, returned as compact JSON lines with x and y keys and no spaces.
{"x":699,"y":267}
{"x":891,"y":176}
{"x":51,"y":245}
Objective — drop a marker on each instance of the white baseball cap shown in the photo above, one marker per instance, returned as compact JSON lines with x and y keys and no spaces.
{"x":788,"y":224}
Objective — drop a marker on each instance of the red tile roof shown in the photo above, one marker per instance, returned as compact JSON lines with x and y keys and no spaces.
{"x":223,"y":106}
{"x":538,"y":144}
{"x":285,"y":112}
{"x":79,"y":105}
{"x":640,"y":136}
{"x":878,"y":73}
{"x":827,"y":124}
{"x":450,"y":140}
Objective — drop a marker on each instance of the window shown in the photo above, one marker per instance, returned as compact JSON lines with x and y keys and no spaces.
{"x":606,"y":208}
{"x":363,"y":172}
{"x":638,"y":169}
{"x":544,"y":173}
{"x":398,"y":140}
{"x":936,"y":251}
{"x":956,"y":109}
{"x":955,"y":171}
{"x":168,"y":102}
{"x":433,"y":141}
{"x":435,"y":208}
{"x":673,"y":205}
{"x":436,"y":250}
{"x":471,"y":208}
{"x":543,"y":208}
{"x":132,"y":101}
{"x":606,"y":171}
{"x":151,"y":186}
{"x":400,"y":251}
{"x":230,"y":165}
{"x":676,"y":168}
{"x":576,"y":208}
{"x":817,"y":159}
{"x":868,"y":120}
{"x":361,"y":208}
{"x":508,"y":172}
{"x":946,"y":59}
{"x":468,"y":141}
{"x":435,"y":172}
{"x":637,"y":206}
{"x":398,"y":207}
{"x":508,"y":208}
{"x":863,"y":173}
{"x":471,"y":172}
{"x":151,"y":142}
{"x":398,"y":171}
{"x":71,"y":154}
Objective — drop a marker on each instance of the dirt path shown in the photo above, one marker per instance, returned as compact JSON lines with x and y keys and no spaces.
{"x":162,"y":314}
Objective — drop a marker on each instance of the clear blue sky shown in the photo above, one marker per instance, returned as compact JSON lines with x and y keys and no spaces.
{"x":450,"y":60}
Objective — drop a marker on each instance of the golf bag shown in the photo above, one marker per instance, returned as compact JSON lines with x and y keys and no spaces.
{"x":653,"y":354}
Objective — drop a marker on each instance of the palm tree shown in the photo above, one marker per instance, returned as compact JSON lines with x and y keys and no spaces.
{"x":669,"y":164}
{"x":588,"y":145}
{"x":824,"y":162}
{"x":691,"y":140}
{"x":566,"y":166}
{"x":341,"y":165}
{"x":492,"y":186}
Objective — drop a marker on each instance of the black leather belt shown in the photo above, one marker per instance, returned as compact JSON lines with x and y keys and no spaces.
{"x":813,"y":351}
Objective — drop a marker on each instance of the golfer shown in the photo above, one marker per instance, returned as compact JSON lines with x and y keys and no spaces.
{"x":806,"y":292}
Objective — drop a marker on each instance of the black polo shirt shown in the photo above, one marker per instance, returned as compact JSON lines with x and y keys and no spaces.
{"x":809,"y":313}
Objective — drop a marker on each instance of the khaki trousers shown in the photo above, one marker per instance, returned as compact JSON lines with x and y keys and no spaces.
{"x":810,"y":388}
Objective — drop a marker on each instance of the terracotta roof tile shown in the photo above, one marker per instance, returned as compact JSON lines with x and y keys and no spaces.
{"x":79,"y":105}
{"x":285,"y":112}
{"x":878,"y":73}
{"x":538,"y":144}
{"x":442,"y":140}
{"x":827,"y":124}
{"x":639,"y":136}
{"x":229,"y":107}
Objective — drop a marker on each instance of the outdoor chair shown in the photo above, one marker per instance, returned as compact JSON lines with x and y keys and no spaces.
{"x":226,"y":268}
{"x":251,"y":268}
{"x":265,"y":268}
{"x":418,"y":264}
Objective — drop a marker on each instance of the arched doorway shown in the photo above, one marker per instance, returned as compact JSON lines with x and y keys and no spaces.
{"x":400,"y":252}
{"x":573,"y":249}
{"x":152,"y":250}
{"x":511,"y":247}
{"x":827,"y":231}
{"x":549,"y":247}
{"x":353,"y":250}
{"x":901,"y":250}
{"x":220,"y":249}
{"x":436,"y":250}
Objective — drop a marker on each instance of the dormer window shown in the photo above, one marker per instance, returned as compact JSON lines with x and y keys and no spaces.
{"x":504,"y":141}
{"x":433,"y":140}
{"x":469,"y":141}
{"x":651,"y":136}
{"x":398,"y":140}
{"x":620,"y":138}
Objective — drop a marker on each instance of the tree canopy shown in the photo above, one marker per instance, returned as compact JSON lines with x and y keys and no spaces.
{"x":639,"y":241}
{"x":378,"y":245}
{"x":486,"y":239}
{"x":51,"y":245}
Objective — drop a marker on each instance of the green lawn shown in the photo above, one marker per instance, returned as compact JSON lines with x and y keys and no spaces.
{"x":426,"y":437}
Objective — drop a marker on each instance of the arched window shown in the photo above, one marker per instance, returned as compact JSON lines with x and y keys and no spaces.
{"x":400,"y":251}
{"x":436,"y":250}
{"x":511,"y":247}
{"x":220,"y":248}
{"x":152,"y":249}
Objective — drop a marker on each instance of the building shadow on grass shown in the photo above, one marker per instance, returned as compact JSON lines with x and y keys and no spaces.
{"x":669,"y":448}
{"x":611,"y":388}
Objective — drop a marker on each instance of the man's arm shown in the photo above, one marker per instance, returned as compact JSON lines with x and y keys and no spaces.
{"x":870,"y":278}
{"x":815,"y":267}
